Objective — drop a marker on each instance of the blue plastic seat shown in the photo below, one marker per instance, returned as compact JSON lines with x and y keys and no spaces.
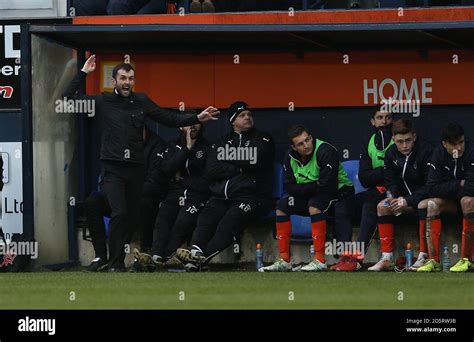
{"x":301,"y":228}
{"x":106,"y":224}
{"x":278,"y":176}
{"x":352,"y":169}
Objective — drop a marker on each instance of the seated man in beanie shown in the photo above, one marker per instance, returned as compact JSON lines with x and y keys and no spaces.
{"x":239,"y":169}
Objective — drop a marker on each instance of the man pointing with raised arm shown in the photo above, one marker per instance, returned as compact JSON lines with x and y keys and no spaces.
{"x":122,"y":114}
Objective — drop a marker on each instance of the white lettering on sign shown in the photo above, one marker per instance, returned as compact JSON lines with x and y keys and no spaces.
{"x":8,"y":32}
{"x":398,"y":89}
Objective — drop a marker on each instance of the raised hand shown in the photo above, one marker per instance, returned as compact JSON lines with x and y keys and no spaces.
{"x":89,"y":65}
{"x":210,"y":113}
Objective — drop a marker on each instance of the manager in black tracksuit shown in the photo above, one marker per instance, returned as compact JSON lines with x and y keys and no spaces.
{"x":154,"y":190}
{"x":122,"y":114}
{"x":241,"y":186}
{"x":184,"y":163}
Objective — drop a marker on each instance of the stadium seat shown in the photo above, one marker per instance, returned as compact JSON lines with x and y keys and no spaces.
{"x":278,"y":177}
{"x":105,"y":218}
{"x":352,"y":169}
{"x":106,"y":224}
{"x":300,"y":228}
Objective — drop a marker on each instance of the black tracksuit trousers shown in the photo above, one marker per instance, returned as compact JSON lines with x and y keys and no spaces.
{"x":368,"y":221}
{"x":222,"y":221}
{"x":123,"y":187}
{"x":96,"y":207}
{"x":175,"y":222}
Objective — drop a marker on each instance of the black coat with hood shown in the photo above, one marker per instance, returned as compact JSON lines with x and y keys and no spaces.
{"x":234,"y":179}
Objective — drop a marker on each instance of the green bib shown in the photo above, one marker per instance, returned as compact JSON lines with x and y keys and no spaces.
{"x":311,"y":171}
{"x":377,"y":156}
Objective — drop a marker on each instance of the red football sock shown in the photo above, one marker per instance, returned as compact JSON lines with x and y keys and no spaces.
{"x":386,"y":237}
{"x":435,"y":235}
{"x":318,"y":229}
{"x":467,"y":233}
{"x":283,"y":235}
{"x":421,"y":231}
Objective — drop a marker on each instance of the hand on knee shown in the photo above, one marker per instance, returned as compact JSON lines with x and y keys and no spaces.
{"x":423,"y":204}
{"x":433,"y":208}
{"x":467,"y":204}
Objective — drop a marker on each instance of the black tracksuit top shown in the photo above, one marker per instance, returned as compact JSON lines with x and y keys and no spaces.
{"x":122,"y":121}
{"x":446,"y":173}
{"x":237,"y":179}
{"x":407,"y":175}
{"x":191,"y":164}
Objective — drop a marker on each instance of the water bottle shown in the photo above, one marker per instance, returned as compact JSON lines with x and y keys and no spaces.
{"x":446,"y":260}
{"x":408,"y":256}
{"x":259,"y":256}
{"x":389,"y":195}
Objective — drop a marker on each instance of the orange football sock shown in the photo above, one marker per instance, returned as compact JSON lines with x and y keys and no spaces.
{"x":283,"y":227}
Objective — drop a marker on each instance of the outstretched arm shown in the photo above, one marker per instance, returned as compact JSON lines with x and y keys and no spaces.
{"x":171,"y":119}
{"x":73,"y":87}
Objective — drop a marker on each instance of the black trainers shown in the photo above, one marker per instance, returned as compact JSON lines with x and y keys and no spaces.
{"x":97,"y":265}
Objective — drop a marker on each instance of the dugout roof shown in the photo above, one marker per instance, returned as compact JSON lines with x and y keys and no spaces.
{"x":447,"y":28}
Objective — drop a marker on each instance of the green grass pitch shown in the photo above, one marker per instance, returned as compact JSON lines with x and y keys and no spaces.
{"x":236,"y":290}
